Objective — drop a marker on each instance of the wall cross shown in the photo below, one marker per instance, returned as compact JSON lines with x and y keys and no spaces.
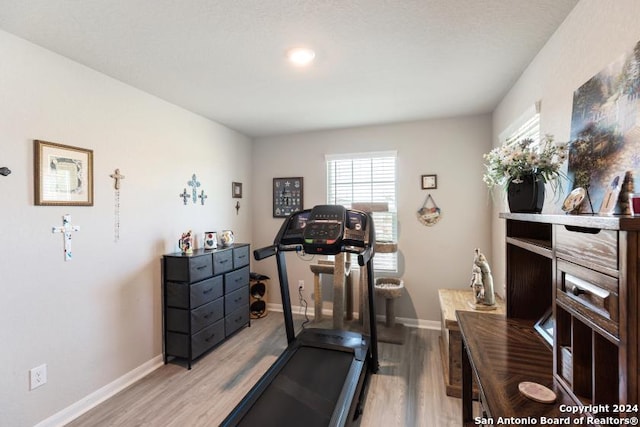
{"x":194,"y":184}
{"x":185,"y":196}
{"x":66,"y":230}
{"x":117,"y":176}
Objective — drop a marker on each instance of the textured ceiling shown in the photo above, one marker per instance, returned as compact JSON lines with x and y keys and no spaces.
{"x":377,"y":61}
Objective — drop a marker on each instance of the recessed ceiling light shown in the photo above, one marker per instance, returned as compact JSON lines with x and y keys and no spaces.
{"x":300,"y":56}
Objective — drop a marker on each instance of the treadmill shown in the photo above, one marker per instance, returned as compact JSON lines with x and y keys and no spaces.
{"x":321,"y":378}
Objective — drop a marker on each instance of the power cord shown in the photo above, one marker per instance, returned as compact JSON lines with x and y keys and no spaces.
{"x":304,"y":304}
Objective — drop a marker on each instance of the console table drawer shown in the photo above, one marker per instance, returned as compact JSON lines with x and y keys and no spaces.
{"x":589,"y":246}
{"x":591,"y":294}
{"x":223,"y":261}
{"x":236,"y":280}
{"x":179,"y":294}
{"x":236,"y":320}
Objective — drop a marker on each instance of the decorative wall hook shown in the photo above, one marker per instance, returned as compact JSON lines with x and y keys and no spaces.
{"x":4,"y":171}
{"x":237,"y":207}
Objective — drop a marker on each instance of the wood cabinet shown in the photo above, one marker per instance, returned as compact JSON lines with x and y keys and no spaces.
{"x":585,"y":268}
{"x":205,"y":299}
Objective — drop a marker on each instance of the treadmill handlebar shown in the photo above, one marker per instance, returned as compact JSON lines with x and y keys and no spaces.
{"x":265,"y":252}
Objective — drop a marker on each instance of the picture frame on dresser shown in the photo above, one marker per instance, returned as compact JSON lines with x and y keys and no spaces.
{"x":545,"y":326}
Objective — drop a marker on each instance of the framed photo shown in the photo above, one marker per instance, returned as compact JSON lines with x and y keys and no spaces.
{"x":287,"y":196}
{"x":236,"y":190}
{"x":63,"y":175}
{"x":545,"y":326}
{"x":429,"y":182}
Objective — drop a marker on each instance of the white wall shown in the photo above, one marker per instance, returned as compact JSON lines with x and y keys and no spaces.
{"x":594,"y":34}
{"x":96,"y":318}
{"x":430,"y":257}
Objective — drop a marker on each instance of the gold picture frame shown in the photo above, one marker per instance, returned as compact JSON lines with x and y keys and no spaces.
{"x":63,"y":175}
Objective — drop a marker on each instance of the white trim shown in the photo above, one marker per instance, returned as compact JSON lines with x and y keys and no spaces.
{"x":83,"y":405}
{"x":365,"y":155}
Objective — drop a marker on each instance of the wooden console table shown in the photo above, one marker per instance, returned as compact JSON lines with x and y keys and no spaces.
{"x":500,"y":353}
{"x":452,"y":300}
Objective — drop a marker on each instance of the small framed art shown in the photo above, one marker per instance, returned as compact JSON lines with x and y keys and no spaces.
{"x":287,"y":196}
{"x":63,"y":175}
{"x":429,"y":182}
{"x":236,"y":190}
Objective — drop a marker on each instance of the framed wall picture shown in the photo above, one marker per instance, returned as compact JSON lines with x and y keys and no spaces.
{"x":63,"y":175}
{"x":236,"y":190}
{"x":429,"y":182}
{"x":287,"y":196}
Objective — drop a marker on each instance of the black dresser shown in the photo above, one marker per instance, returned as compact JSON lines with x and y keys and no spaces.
{"x":205,"y":299}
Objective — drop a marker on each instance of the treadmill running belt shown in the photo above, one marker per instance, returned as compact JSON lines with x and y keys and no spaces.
{"x":305,"y":392}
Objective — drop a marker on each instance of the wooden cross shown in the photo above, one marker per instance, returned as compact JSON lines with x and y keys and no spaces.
{"x":184,"y":195}
{"x":202,"y":196}
{"x":195,"y":184}
{"x":66,"y":229}
{"x":116,"y":175}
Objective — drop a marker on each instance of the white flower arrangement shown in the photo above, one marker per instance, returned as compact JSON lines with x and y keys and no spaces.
{"x":510,"y":162}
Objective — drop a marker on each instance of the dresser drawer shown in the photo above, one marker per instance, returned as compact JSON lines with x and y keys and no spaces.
{"x":236,"y":299}
{"x":590,"y":294}
{"x":188,"y":268}
{"x":240,"y":256}
{"x":207,"y":338}
{"x":223,"y":261}
{"x":236,"y":320}
{"x":236,"y":280}
{"x":178,"y":344}
{"x":202,"y":292}
{"x":178,"y":318}
{"x":589,"y":247}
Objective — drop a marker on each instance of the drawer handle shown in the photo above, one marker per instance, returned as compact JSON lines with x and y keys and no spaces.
{"x":239,"y":279}
{"x":206,"y":291}
{"x":224,"y":261}
{"x":237,"y":299}
{"x":208,"y":315}
{"x":242,"y":256}
{"x":579,"y":286}
{"x":202,"y":267}
{"x":210,"y":337}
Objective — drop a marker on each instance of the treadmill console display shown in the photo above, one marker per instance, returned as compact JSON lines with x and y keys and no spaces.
{"x":326,"y":229}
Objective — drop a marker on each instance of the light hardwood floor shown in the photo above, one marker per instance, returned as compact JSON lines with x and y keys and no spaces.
{"x":408,"y":390}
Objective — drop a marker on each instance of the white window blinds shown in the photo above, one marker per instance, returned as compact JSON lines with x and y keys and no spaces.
{"x":367,"y":178}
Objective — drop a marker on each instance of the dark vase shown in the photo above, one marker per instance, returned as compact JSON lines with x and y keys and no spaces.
{"x":526,"y":196}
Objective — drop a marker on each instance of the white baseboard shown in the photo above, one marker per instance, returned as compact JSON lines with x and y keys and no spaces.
{"x":73,"y":411}
{"x":413,"y":323}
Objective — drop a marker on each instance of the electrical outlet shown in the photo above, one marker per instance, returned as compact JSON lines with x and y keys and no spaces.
{"x":37,"y":376}
{"x":300,"y":285}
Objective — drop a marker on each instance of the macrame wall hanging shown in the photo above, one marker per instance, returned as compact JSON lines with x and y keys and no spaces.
{"x":429,"y":214}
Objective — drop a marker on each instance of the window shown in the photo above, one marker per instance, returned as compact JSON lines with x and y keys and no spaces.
{"x":367,"y":178}
{"x":526,"y":126}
